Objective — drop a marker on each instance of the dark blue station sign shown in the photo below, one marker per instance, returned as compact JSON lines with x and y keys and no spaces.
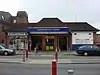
{"x":49,"y":29}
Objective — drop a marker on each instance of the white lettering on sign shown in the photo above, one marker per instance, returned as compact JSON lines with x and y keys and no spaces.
{"x":17,"y":33}
{"x":42,"y":29}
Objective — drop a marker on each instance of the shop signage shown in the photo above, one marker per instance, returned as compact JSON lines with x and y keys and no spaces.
{"x":59,"y":29}
{"x":17,"y":34}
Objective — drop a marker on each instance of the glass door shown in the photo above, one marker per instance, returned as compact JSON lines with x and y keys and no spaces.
{"x":36,"y":40}
{"x":49,"y":43}
{"x":63,"y":43}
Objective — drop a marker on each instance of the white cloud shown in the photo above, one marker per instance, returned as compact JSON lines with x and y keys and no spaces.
{"x":11,"y":6}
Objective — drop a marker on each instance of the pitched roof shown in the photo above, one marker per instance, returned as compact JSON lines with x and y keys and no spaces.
{"x":55,"y":22}
{"x":50,"y":22}
{"x":5,"y":16}
{"x":80,"y":26}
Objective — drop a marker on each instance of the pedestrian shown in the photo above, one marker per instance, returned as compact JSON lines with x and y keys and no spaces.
{"x":22,"y":45}
{"x":26,"y":45}
{"x":12,"y":46}
{"x":37,"y":48}
{"x":2,"y":43}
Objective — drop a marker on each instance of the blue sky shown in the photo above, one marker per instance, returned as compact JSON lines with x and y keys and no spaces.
{"x":66,"y":10}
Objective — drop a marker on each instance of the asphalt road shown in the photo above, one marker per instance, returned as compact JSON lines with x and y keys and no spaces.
{"x":26,"y":69}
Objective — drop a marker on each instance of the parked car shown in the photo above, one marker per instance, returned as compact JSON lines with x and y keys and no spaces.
{"x":6,"y":51}
{"x":88,"y":50}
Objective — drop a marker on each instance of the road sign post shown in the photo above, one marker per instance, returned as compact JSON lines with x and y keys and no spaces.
{"x":24,"y":52}
{"x":56,"y":55}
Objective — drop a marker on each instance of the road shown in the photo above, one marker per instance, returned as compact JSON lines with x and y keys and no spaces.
{"x":26,"y":69}
{"x":82,"y":65}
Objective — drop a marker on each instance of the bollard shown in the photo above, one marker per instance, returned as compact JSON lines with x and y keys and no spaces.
{"x":26,"y":54}
{"x":54,"y":67}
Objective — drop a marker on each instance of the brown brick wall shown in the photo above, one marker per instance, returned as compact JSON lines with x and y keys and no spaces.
{"x":97,"y":41}
{"x":22,"y":20}
{"x":3,"y":37}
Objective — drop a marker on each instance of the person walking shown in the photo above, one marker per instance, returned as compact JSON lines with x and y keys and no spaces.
{"x":12,"y":46}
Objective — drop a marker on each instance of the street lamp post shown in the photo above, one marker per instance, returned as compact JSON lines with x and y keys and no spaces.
{"x":24,"y":52}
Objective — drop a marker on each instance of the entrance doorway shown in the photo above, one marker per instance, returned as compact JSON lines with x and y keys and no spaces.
{"x":36,"y":40}
{"x":49,"y":43}
{"x":63,"y":43}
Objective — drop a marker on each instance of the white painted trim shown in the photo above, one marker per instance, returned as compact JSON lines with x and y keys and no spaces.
{"x":48,"y":27}
{"x":48,"y":32}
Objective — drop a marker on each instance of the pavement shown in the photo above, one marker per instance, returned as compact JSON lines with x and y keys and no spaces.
{"x":49,"y":61}
{"x":47,"y":53}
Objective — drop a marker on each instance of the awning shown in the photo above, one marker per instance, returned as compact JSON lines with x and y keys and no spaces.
{"x":49,"y":30}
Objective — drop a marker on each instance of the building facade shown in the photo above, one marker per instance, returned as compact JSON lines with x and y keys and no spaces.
{"x":48,"y":34}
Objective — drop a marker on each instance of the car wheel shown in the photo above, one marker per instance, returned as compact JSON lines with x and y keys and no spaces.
{"x":6,"y":53}
{"x":85,"y":53}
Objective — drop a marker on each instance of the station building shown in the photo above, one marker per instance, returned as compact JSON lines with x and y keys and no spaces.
{"x":48,"y":33}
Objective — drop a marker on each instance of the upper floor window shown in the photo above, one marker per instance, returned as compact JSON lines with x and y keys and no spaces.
{"x":14,"y":21}
{"x":75,"y":33}
{"x":89,"y":33}
{"x":2,"y":17}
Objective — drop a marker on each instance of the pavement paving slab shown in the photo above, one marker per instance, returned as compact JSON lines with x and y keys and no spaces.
{"x":49,"y":61}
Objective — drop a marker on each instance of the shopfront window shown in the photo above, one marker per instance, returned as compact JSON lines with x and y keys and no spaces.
{"x":49,"y":43}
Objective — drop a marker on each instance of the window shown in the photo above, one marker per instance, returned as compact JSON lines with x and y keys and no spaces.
{"x":95,"y":47}
{"x":75,"y":33}
{"x":0,"y":47}
{"x":89,"y":33}
{"x":2,"y":17}
{"x":14,"y":21}
{"x":89,"y":47}
{"x":82,"y":41}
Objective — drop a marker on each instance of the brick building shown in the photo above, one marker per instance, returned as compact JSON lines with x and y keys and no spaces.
{"x":48,"y":33}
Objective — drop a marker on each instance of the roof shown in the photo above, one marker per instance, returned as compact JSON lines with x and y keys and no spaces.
{"x":50,"y":22}
{"x":22,"y":14}
{"x":55,"y":22}
{"x":5,"y":17}
{"x":80,"y":26}
{"x":17,"y":28}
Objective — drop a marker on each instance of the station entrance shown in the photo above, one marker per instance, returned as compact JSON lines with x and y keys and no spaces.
{"x":48,"y":39}
{"x":36,"y":40}
{"x":49,"y":42}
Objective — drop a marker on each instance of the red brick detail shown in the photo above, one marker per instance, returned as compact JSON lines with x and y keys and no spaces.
{"x":3,"y":37}
{"x":43,"y":42}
